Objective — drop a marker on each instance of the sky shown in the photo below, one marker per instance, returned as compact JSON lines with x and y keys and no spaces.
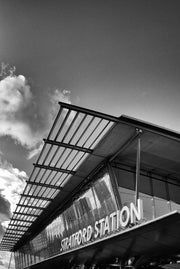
{"x":113,"y":56}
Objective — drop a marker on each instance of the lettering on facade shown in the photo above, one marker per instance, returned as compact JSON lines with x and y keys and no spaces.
{"x":114,"y":222}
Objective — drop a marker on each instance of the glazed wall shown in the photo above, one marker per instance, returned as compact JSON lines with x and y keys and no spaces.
{"x":159,"y":195}
{"x":109,"y":191}
{"x":95,"y":203}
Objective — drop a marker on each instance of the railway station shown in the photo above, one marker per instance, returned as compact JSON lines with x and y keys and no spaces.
{"x":104,"y":193}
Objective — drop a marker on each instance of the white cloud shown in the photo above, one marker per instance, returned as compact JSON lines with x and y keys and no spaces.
{"x":35,"y":151}
{"x":5,"y":223}
{"x":15,"y":94}
{"x":15,"y":98}
{"x":12,"y":185}
{"x":55,"y":97}
{"x":20,"y":116}
{"x":21,"y":132}
{"x":58,"y":96}
{"x":4,"y":219}
{"x":61,"y":95}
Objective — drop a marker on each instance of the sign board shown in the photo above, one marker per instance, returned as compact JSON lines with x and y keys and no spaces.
{"x":114,"y":222}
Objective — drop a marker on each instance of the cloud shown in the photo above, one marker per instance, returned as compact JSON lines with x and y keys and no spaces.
{"x":15,"y":94}
{"x":59,"y":96}
{"x":21,"y":118}
{"x":2,"y":231}
{"x":4,"y":208}
{"x":15,"y":102}
{"x":6,"y":70}
{"x":35,"y":151}
{"x":62,"y":96}
{"x":51,"y":111}
{"x":12,"y":185}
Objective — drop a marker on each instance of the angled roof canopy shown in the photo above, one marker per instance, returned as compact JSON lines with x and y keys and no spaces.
{"x":80,"y":141}
{"x":73,"y":136}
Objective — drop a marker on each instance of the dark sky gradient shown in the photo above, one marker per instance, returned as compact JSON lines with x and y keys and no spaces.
{"x":116,"y":56}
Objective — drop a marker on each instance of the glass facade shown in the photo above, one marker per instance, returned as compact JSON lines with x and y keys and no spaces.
{"x":96,"y":202}
{"x":159,"y":196}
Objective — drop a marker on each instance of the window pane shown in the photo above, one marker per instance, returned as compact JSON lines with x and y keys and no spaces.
{"x":175,"y":206}
{"x":174,"y":192}
{"x":125,"y":179}
{"x":147,"y":206}
{"x":159,"y":189}
{"x":86,"y":210}
{"x":145,"y":186}
{"x":104,"y":195}
{"x":127,"y":196}
{"x":161,"y":207}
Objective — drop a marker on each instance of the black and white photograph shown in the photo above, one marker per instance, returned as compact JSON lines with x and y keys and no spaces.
{"x":90,"y":134}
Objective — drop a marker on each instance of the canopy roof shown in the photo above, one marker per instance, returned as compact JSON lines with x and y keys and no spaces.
{"x":80,"y":141}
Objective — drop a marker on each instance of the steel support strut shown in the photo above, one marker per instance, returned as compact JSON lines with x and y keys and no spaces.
{"x":138,"y":161}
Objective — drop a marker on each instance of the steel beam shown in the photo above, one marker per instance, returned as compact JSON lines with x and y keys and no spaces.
{"x":70,"y":146}
{"x":18,"y":225}
{"x":89,"y":112}
{"x":22,"y":220}
{"x":25,"y":214}
{"x":31,"y":206}
{"x":15,"y":234}
{"x":44,"y":185}
{"x":47,"y":167}
{"x":36,"y":197}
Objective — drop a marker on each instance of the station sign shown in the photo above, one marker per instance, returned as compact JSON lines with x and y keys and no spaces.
{"x":116,"y":221}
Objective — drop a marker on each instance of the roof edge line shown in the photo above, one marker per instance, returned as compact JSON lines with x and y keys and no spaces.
{"x":89,"y":111}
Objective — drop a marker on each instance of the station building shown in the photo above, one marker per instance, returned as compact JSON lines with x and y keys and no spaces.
{"x":104,"y":193}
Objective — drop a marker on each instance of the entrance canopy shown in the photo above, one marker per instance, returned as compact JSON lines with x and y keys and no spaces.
{"x":80,"y":142}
